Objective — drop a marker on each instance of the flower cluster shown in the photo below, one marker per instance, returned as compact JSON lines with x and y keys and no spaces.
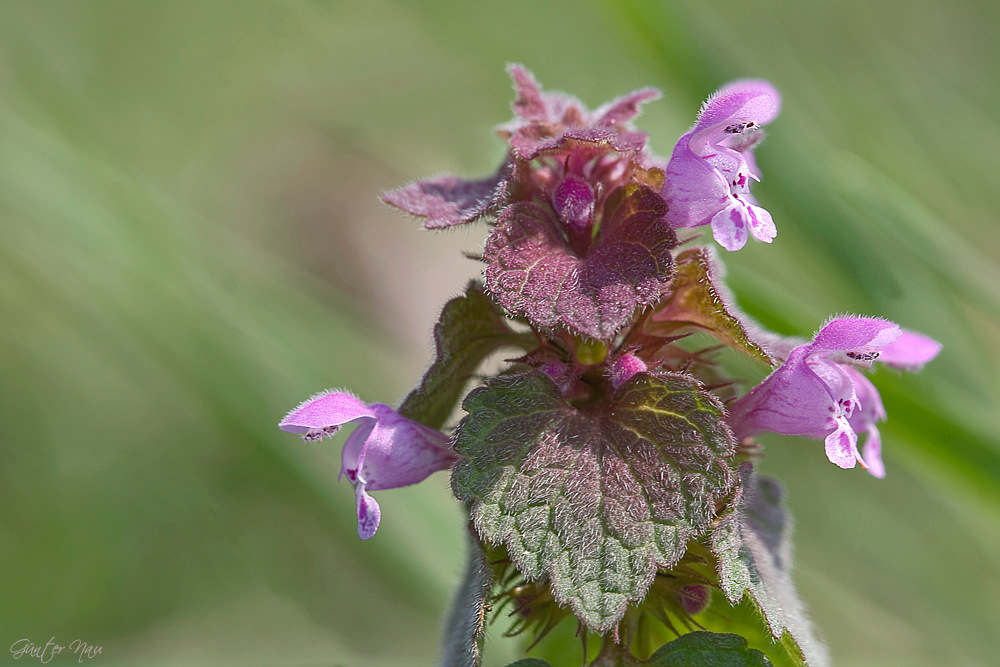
{"x":613,"y":440}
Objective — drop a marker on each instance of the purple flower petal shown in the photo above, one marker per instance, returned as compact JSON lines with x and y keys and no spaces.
{"x":867,"y":413}
{"x":842,"y":445}
{"x":369,"y":513}
{"x":709,"y":173}
{"x":910,"y":351}
{"x":860,"y":335}
{"x":760,"y":222}
{"x":730,"y":227}
{"x":872,"y":452}
{"x":793,"y":400}
{"x":753,"y":101}
{"x":812,"y":394}
{"x":330,"y":409}
{"x":400,"y":452}
{"x":385,"y":451}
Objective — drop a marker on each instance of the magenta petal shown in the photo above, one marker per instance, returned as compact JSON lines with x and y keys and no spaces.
{"x":855,"y":334}
{"x":369,"y":513}
{"x":811,"y":394}
{"x":730,"y":227}
{"x":792,"y":400}
{"x":694,"y":192}
{"x":352,"y":455}
{"x":863,"y":420}
{"x":842,"y":445}
{"x":324,"y":410}
{"x":871,"y":409}
{"x":761,"y":224}
{"x":400,"y":452}
{"x":745,"y":101}
{"x":385,"y":451}
{"x":873,"y":452}
{"x":713,"y":164}
{"x":910,"y":351}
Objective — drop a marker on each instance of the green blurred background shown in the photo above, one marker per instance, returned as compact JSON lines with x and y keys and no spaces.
{"x":192,"y":243}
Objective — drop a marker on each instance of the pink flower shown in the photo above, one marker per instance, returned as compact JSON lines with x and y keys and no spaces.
{"x":385,"y":451}
{"x":708,"y":177}
{"x":817,"y":392}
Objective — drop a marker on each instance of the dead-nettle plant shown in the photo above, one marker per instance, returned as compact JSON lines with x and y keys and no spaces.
{"x":608,"y":469}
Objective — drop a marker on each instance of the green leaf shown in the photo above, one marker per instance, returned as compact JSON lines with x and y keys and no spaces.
{"x":698,"y":298}
{"x":593,"y":498}
{"x":470,"y":328}
{"x":708,"y":649}
{"x":752,"y":543}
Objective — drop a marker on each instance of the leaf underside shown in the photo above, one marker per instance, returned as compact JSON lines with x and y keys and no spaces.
{"x":470,"y":328}
{"x":448,"y":200}
{"x":533,"y":272}
{"x":594,"y":501}
{"x":753,"y":546}
{"x":698,"y":298}
{"x":462,"y":645}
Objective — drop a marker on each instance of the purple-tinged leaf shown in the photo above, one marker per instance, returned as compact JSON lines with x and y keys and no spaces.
{"x":470,"y":328}
{"x":626,"y":107}
{"x":448,"y":200}
{"x":752,"y":545}
{"x":534,"y":272}
{"x":545,"y":120}
{"x":699,"y":299}
{"x":595,"y":501}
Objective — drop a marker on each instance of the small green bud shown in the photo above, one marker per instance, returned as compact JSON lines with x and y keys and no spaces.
{"x":591,"y":352}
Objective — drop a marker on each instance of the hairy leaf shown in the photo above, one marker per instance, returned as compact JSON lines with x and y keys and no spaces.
{"x":707,"y":649}
{"x":462,"y":645}
{"x":597,"y":498}
{"x":448,"y":200}
{"x":699,"y":298}
{"x":547,"y":119}
{"x":470,"y":328}
{"x":752,"y":543}
{"x":534,"y":272}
